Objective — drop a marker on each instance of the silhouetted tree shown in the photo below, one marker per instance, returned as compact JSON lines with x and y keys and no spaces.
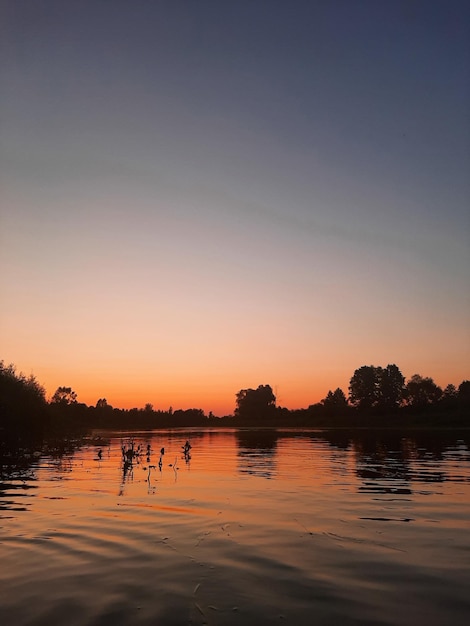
{"x":450,"y":397}
{"x":64,"y":395}
{"x":102,"y":403}
{"x":28,"y":386}
{"x":103,"y":414}
{"x":364,"y":387}
{"x":23,"y":408}
{"x":464,"y":391}
{"x":255,"y":404}
{"x":381,"y":388}
{"x":188,"y":417}
{"x":449,"y":393}
{"x":335,"y":402}
{"x":421,"y":392}
{"x":391,"y":387}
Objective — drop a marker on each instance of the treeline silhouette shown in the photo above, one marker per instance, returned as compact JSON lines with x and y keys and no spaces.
{"x":377,"y":396}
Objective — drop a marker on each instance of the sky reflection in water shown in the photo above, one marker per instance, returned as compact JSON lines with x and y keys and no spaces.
{"x":251,"y":527}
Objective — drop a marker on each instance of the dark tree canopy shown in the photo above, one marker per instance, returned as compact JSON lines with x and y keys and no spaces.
{"x":188,"y":417}
{"x":391,"y":387}
{"x":377,"y":387}
{"x":450,"y":392}
{"x":421,"y":392}
{"x":64,"y":395}
{"x":21,"y":385}
{"x":102,"y":403}
{"x":22,"y":401}
{"x":464,"y":391}
{"x":255,"y":404}
{"x":335,"y":402}
{"x":363,"y":387}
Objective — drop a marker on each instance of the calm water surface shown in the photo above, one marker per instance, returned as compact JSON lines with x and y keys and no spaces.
{"x":257,"y":527}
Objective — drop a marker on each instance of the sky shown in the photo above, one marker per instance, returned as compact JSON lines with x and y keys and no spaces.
{"x":200,"y":196}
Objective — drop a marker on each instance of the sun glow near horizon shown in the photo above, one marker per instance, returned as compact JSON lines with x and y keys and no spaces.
{"x":199,"y":388}
{"x":175,"y":228}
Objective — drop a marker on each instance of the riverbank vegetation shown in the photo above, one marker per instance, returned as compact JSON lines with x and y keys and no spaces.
{"x":377,"y":396}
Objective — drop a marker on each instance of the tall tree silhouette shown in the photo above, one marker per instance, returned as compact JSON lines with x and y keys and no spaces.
{"x":363,"y":387}
{"x":377,"y":387}
{"x":391,"y":387}
{"x":255,"y":404}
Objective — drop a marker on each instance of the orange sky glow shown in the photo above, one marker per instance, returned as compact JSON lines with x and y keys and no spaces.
{"x":185,"y":216}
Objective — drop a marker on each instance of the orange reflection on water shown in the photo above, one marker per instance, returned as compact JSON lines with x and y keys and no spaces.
{"x":271,"y":522}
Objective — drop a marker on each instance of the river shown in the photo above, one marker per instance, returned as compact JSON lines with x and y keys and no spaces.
{"x":251,"y":527}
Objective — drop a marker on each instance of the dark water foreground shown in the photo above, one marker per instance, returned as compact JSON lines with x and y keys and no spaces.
{"x":257,"y":527}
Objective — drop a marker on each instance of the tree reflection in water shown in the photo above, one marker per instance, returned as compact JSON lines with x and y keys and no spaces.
{"x":389,"y":461}
{"x":19,"y":464}
{"x":257,"y":451}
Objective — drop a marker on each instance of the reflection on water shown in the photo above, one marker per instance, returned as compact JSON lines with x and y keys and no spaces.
{"x":257,"y":452}
{"x":395,"y":463}
{"x":237,"y":527}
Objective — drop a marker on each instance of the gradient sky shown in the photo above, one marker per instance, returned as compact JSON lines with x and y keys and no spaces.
{"x":204,"y":196}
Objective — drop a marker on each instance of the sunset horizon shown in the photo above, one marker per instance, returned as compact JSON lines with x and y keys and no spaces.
{"x":235,"y":321}
{"x":203,"y":197}
{"x":219,"y":401}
